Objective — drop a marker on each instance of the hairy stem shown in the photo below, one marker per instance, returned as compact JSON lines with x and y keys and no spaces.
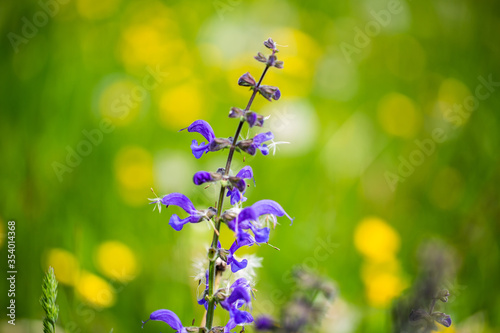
{"x":220,"y":203}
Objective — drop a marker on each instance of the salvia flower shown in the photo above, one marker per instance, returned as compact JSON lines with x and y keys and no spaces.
{"x":270,"y":44}
{"x":250,"y":146}
{"x":261,"y":57}
{"x":252,"y":118}
{"x":213,"y":144}
{"x":195,"y":216}
{"x":240,"y":296}
{"x":238,"y":188}
{"x":247,"y":80}
{"x":248,"y":219}
{"x":270,"y":92}
{"x":169,"y":318}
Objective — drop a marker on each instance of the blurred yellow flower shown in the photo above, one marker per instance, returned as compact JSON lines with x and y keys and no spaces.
{"x":382,"y":288}
{"x":181,"y":105}
{"x":451,"y":96}
{"x":376,"y":240}
{"x":66,"y":266}
{"x":134,"y":173}
{"x":95,"y":290}
{"x":116,"y":261}
{"x":399,"y":116}
{"x":121,"y":101}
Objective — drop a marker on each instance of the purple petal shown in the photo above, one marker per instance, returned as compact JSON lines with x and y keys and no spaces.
{"x":242,"y":317}
{"x":202,"y":177}
{"x":251,"y":118}
{"x":269,"y":207}
{"x":179,"y":199}
{"x":202,"y":127}
{"x":277,"y":95}
{"x":264,"y":150}
{"x":246,"y":172}
{"x":262,"y":137}
{"x":177,"y":223}
{"x":168,"y":317}
{"x":236,"y":196}
{"x":248,"y":214}
{"x":239,"y":293}
{"x":237,"y":265}
{"x":261,"y":235}
{"x":199,"y":149}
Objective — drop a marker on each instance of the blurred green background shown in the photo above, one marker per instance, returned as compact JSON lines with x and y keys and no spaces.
{"x":393,"y":140}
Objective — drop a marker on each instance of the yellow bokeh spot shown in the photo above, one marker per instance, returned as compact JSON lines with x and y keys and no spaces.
{"x":121,"y":101}
{"x":65,"y":264}
{"x":382,"y":288}
{"x":399,"y":116}
{"x":181,"y":105}
{"x":151,"y":38}
{"x":95,"y":290}
{"x":134,"y":173}
{"x":97,"y":9}
{"x":452,"y":94}
{"x":117,"y":261}
{"x":376,"y":240}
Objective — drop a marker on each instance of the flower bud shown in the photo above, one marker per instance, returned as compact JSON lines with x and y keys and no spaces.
{"x":219,"y":143}
{"x":270,"y":92}
{"x":260,"y":57}
{"x":272,"y":60}
{"x":270,"y":44}
{"x":442,"y":318}
{"x":279,"y":64}
{"x":235,"y":112}
{"x":443,"y":295}
{"x":247,"y":80}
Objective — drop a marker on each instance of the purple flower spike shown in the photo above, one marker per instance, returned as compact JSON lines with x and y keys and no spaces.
{"x":168,"y":317}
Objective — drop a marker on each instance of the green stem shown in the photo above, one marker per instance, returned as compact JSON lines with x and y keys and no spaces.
{"x":220,"y":203}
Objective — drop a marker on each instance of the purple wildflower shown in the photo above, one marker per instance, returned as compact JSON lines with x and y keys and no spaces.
{"x":239,"y":186}
{"x":168,"y":317}
{"x":270,"y":92}
{"x":240,"y":296}
{"x":250,"y":146}
{"x":213,"y":144}
{"x":252,"y":118}
{"x":247,"y":80}
{"x":195,"y":216}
